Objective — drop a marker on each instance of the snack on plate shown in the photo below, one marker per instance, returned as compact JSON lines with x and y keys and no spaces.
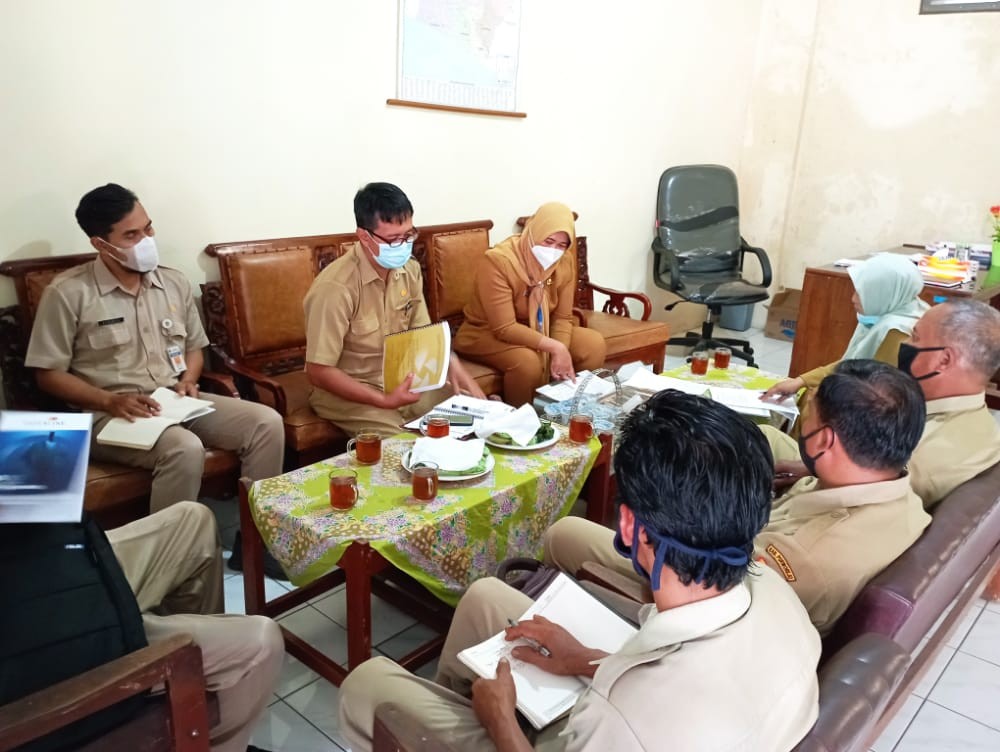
{"x":544,"y":433}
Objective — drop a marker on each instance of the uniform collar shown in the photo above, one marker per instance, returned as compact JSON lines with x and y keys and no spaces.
{"x":959,"y":403}
{"x":663,"y":629}
{"x":107,"y":281}
{"x":807,"y":496}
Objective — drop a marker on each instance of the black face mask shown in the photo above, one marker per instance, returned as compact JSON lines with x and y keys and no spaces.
{"x":809,"y":460}
{"x":907,"y":354}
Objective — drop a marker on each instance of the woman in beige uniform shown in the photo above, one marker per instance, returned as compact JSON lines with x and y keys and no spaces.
{"x":520,"y":317}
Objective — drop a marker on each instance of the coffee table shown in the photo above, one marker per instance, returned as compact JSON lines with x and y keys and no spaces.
{"x":419,"y":557}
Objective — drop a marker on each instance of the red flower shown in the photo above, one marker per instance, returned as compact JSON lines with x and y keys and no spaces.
{"x":995,"y":210}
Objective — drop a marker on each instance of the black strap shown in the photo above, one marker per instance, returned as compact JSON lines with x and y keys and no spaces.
{"x":707,"y":219}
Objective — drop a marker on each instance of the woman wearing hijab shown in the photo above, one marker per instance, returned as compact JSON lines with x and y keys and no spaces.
{"x":519,"y":319}
{"x":886,"y":290}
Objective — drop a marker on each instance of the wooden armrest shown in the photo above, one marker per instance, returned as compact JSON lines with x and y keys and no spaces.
{"x":615,"y":304}
{"x":175,"y":662}
{"x":261,"y":381}
{"x":395,"y":730}
{"x":607,"y":578}
{"x":581,"y":320}
{"x":218,"y":383}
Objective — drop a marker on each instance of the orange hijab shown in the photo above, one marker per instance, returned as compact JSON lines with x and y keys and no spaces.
{"x":550,"y":218}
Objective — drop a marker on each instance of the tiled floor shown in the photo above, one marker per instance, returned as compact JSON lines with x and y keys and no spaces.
{"x":955,"y":707}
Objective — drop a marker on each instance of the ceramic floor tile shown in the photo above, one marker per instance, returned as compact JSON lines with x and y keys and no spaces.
{"x":934,"y":670}
{"x":407,"y":641}
{"x":965,"y":626}
{"x":318,"y":702}
{"x":971,"y":687}
{"x":294,"y":676}
{"x":386,"y":619}
{"x":993,"y":606}
{"x":322,"y":633}
{"x":428,"y":670}
{"x":898,"y":725}
{"x":937,"y":729}
{"x":233,"y":589}
{"x":983,"y":640}
{"x":283,"y":730}
{"x":776,"y":363}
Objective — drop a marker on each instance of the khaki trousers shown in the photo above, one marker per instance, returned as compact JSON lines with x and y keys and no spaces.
{"x":352,"y":417}
{"x":573,"y":540}
{"x":783,"y":447}
{"x":443,"y":705}
{"x":255,"y":432}
{"x":172,"y":560}
{"x":524,"y":369}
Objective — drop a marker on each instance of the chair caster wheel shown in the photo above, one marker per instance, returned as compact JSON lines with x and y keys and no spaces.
{"x":749,"y":351}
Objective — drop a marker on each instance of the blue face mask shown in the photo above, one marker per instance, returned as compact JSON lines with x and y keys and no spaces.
{"x":865,"y":320}
{"x":731,"y":555}
{"x":393,"y":258}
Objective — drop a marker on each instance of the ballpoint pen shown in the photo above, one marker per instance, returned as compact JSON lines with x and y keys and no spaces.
{"x":534,"y":643}
{"x":467,"y":409}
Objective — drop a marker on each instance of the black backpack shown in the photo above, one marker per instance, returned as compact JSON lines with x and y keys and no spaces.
{"x":65,"y":608}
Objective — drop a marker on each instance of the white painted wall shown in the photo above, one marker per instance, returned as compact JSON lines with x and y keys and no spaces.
{"x":241,"y":119}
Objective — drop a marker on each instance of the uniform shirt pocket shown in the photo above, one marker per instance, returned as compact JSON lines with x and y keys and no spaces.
{"x":105,"y":337}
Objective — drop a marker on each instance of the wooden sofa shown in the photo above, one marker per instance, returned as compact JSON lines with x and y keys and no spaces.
{"x":256,"y":324}
{"x":115,"y":494}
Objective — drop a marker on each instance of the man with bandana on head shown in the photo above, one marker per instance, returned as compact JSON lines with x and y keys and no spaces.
{"x":695,"y":488}
{"x":832,"y":532}
{"x":373,"y":290}
{"x":110,"y":332}
{"x":953,"y":353}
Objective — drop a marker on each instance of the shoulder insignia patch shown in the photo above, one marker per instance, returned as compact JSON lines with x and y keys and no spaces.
{"x":782,"y":562}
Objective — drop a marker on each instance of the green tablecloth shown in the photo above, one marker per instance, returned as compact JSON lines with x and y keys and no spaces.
{"x":445,"y":544}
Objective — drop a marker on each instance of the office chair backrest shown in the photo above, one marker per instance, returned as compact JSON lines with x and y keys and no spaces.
{"x":697,"y":217}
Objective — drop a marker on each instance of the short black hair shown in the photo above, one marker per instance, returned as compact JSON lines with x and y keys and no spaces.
{"x":102,"y":208}
{"x":876,"y":410}
{"x":693,"y":469}
{"x":381,"y":202}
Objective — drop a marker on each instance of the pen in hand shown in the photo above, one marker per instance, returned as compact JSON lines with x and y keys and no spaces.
{"x":540,"y":648}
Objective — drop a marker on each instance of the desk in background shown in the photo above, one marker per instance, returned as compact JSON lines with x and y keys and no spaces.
{"x":827,"y":320}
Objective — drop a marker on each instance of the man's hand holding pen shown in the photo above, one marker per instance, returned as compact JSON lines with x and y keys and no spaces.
{"x":552,"y":648}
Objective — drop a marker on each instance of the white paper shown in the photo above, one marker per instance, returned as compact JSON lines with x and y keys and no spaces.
{"x":143,"y":433}
{"x":180,"y":406}
{"x":651,"y":382}
{"x":43,"y":466}
{"x":542,"y":697}
{"x":448,"y":453}
{"x":566,"y":390}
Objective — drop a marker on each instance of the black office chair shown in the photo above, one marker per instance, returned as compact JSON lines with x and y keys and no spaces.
{"x":698,"y":251}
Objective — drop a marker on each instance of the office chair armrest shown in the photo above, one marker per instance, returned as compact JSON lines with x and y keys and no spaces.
{"x":615,"y":304}
{"x":761,"y":254}
{"x":675,"y":283}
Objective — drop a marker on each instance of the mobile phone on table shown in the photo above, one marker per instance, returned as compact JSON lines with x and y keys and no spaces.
{"x":454,"y":420}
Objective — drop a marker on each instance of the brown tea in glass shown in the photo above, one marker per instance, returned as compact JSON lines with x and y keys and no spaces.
{"x":367,"y":447}
{"x":343,"y":489}
{"x":699,"y":363}
{"x":581,"y":428}
{"x":425,"y":481}
{"x":721,"y":357}
{"x":437,"y":427}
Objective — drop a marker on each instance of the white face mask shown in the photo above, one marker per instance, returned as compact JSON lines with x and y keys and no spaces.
{"x":546,"y":256}
{"x":142,"y":257}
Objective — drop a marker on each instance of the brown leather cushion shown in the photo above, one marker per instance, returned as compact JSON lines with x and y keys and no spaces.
{"x":452,"y":267}
{"x":266,"y":292}
{"x":904,"y":600}
{"x":622,"y":334}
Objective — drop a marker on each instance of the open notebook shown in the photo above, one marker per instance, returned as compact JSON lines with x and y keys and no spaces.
{"x":543,"y":697}
{"x":143,"y":433}
{"x":43,"y":466}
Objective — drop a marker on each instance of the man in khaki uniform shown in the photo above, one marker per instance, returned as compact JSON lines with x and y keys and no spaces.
{"x":374,"y":290}
{"x":706,"y":644}
{"x":110,"y":332}
{"x":829,"y":534}
{"x":953,"y":354}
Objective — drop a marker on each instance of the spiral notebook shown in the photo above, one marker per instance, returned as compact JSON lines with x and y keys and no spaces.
{"x":424,"y":352}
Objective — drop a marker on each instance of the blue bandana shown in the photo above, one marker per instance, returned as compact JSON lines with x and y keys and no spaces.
{"x":731,"y":555}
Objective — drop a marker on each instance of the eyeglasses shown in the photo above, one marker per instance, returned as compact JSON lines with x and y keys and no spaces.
{"x":409,"y":237}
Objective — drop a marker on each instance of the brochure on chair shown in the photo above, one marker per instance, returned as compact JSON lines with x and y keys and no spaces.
{"x":143,"y":433}
{"x":543,"y":697}
{"x":43,"y":466}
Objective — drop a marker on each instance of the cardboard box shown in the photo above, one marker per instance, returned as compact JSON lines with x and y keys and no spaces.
{"x":783,"y":315}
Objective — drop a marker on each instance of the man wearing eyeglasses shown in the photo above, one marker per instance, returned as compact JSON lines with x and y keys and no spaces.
{"x":373,"y":290}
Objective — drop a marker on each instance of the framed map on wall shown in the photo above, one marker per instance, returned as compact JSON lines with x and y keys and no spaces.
{"x":459,"y":54}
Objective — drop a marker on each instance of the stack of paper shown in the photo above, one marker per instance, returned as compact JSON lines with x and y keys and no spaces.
{"x":566,"y":390}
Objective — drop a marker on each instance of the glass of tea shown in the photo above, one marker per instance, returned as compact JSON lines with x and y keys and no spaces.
{"x":699,"y":363}
{"x":367,"y":447}
{"x":581,"y":427}
{"x":343,"y":489}
{"x":437,"y":427}
{"x":425,"y":481}
{"x":721,"y":357}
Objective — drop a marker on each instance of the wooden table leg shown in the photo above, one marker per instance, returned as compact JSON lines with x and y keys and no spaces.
{"x":358,"y":563}
{"x":253,"y":555}
{"x":992,"y":591}
{"x":599,"y":487}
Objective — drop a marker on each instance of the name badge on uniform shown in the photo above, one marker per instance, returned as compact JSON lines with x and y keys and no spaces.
{"x":176,"y":357}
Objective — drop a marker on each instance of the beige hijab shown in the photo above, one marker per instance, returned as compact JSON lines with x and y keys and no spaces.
{"x":551,"y":217}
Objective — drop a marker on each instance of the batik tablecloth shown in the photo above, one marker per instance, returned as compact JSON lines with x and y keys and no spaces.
{"x":446,"y":543}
